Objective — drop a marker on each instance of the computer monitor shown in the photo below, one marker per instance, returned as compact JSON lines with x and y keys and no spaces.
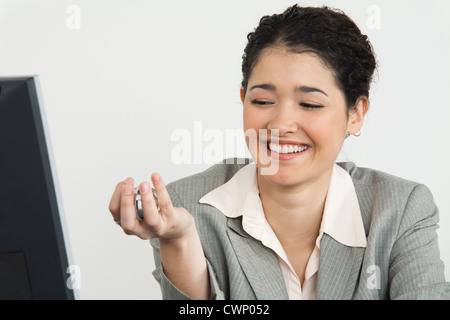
{"x":33,"y":255}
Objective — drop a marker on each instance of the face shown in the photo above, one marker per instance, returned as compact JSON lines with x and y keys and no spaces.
{"x":295,"y":97}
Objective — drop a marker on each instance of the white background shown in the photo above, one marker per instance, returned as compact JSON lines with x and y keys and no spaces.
{"x":117,"y":87}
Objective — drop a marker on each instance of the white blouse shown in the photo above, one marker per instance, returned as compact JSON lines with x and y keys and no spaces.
{"x":341,"y":220}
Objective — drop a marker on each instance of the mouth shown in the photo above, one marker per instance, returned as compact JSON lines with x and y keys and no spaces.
{"x":286,"y":150}
{"x":287,"y":147}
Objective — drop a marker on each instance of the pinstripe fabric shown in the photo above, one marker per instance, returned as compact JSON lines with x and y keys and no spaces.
{"x":401,"y":260}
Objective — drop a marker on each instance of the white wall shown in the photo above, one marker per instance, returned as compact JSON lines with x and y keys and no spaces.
{"x":117,"y":87}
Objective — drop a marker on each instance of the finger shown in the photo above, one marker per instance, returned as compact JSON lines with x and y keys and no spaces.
{"x":114,"y":204}
{"x":150,"y":207}
{"x":164,"y":201}
{"x":128,"y":217}
{"x":155,"y":196}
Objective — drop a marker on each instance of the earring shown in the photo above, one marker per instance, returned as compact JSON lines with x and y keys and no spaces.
{"x":347,"y":135}
{"x":357,"y":134}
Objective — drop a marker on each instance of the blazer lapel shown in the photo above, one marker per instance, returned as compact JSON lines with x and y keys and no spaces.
{"x":339,"y":269}
{"x":259,"y":264}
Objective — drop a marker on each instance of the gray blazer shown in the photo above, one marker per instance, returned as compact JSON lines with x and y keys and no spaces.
{"x":401,"y":260}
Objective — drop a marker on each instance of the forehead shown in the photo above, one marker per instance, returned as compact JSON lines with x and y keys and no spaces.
{"x":285,"y":69}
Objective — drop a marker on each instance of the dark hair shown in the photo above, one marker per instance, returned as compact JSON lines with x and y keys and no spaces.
{"x":328,"y":33}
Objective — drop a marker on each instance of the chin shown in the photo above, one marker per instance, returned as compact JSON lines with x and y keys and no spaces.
{"x":285,"y":177}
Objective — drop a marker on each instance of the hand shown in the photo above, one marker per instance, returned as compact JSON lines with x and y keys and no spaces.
{"x":164,"y":221}
{"x":181,"y":251}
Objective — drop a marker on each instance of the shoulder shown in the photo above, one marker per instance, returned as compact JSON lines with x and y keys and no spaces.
{"x":400,"y":219}
{"x":374,"y":183}
{"x":386,"y":197}
{"x":368,"y":176}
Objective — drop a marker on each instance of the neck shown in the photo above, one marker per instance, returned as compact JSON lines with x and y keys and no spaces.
{"x":295,"y":212}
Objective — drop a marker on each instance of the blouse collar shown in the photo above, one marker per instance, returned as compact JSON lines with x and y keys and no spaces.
{"x":341,"y":217}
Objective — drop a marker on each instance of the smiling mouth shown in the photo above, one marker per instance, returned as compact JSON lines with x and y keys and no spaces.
{"x":286,"y":148}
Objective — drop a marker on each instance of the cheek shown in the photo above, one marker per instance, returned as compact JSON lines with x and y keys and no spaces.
{"x":247,"y":119}
{"x":327,"y":132}
{"x":253,"y":119}
{"x":250,"y":127}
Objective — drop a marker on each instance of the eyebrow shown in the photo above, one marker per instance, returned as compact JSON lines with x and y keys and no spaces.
{"x":304,"y":89}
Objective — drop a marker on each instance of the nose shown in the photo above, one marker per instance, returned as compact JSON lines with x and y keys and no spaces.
{"x":284,"y":119}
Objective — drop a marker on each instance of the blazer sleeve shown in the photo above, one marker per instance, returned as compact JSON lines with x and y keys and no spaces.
{"x":416,"y":270}
{"x":168,"y":290}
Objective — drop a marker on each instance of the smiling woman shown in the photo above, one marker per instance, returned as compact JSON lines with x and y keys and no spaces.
{"x":313,"y":228}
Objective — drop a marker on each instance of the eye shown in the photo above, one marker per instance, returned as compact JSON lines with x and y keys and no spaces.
{"x":261,"y":102}
{"x":310,"y":106}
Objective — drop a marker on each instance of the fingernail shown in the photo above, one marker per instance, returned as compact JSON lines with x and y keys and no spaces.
{"x":144,"y":188}
{"x":128,"y":190}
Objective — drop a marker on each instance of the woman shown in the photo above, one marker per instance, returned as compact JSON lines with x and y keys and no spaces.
{"x":312,"y":228}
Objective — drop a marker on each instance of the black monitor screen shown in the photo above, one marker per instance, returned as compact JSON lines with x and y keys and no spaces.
{"x":33,"y":259}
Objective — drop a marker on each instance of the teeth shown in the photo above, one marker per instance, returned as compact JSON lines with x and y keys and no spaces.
{"x":286,"y":148}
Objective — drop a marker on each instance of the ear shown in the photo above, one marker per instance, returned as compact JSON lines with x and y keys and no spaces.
{"x":242,"y":94}
{"x":356,"y":115}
